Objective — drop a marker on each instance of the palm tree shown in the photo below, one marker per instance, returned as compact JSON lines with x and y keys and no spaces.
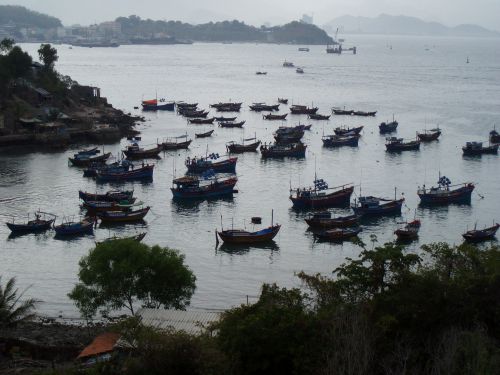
{"x":12,"y":309}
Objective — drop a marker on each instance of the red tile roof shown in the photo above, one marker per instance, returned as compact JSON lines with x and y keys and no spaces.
{"x":102,"y":344}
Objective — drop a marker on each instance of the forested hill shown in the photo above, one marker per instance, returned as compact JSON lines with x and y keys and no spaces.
{"x":21,"y":16}
{"x":230,"y":31}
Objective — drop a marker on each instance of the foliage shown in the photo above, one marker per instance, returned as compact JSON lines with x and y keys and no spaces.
{"x":13,"y":309}
{"x":116,"y":274}
{"x":6,"y":45}
{"x":48,"y":55}
{"x":22,"y":16}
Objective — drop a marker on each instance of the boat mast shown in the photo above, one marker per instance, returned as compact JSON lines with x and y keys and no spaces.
{"x":272,"y":217}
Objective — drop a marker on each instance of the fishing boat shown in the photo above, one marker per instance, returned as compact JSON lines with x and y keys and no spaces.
{"x":297,"y":150}
{"x":339,"y":140}
{"x":230,"y":124}
{"x":338,"y":234}
{"x":184,"y":105}
{"x":303,"y":49}
{"x":478,"y":235}
{"x":99,"y":206}
{"x":238,"y":148}
{"x":409,"y":231}
{"x":375,"y":206}
{"x":320,"y":195}
{"x":203,"y":187}
{"x":429,"y":135}
{"x":324,"y":220}
{"x":226,"y":104}
{"x":270,"y":116}
{"x":88,"y":152}
{"x":299,"y":70}
{"x":261,"y":73}
{"x":123,"y":216}
{"x":394,"y":144}
{"x":195,"y":114}
{"x":342,"y":112}
{"x":364,"y":113}
{"x":137,"y":238}
{"x":259,"y":107}
{"x":158,"y":106}
{"x":494,"y":137}
{"x":110,"y":196}
{"x":86,"y":160}
{"x":302,"y":110}
{"x":282,"y":101}
{"x":348,"y":131}
{"x":286,"y":135}
{"x":204,"y":135}
{"x":42,"y":222}
{"x":134,"y":152}
{"x":203,"y":163}
{"x":288,"y":64}
{"x":73,"y":228}
{"x":317,"y":116}
{"x":141,"y":173}
{"x":388,"y":127}
{"x":174,"y":144}
{"x":477,"y":148}
{"x":446,"y":193}
{"x":244,"y":237}
{"x":198,"y":121}
{"x":224,"y":119}
{"x":119,"y":166}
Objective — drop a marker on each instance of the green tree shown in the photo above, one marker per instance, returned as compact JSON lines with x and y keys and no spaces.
{"x":118,"y":274}
{"x":6,"y":45}
{"x":13,"y":309}
{"x":48,"y":55}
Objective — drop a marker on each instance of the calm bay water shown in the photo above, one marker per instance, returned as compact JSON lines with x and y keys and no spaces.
{"x":424,"y":82}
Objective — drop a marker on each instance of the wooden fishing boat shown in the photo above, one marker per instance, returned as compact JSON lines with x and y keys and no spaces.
{"x":338,"y":234}
{"x":320,"y":195}
{"x":110,"y":196}
{"x":270,"y":116}
{"x":134,"y":152}
{"x":297,"y":150}
{"x":174,"y":144}
{"x":478,"y":235}
{"x":42,"y":222}
{"x":238,"y":148}
{"x":429,"y":135}
{"x":88,"y":152}
{"x":348,"y":131}
{"x":206,"y":186}
{"x":204,"y":135}
{"x":198,"y":121}
{"x":159,"y":106}
{"x":73,"y":228}
{"x":324,"y":220}
{"x":261,"y":73}
{"x":288,"y":64}
{"x":288,"y":137}
{"x":137,"y":238}
{"x":377,"y":206}
{"x":302,"y":110}
{"x":142,"y":173}
{"x":99,"y":206}
{"x":317,"y":116}
{"x":224,"y":119}
{"x":243,"y":237}
{"x":303,"y":49}
{"x":86,"y":160}
{"x":388,"y":127}
{"x":342,"y":112}
{"x":477,"y":148}
{"x":409,"y":231}
{"x":259,"y":107}
{"x":338,"y":140}
{"x":232,"y":124}
{"x":226,"y":105}
{"x":282,"y":101}
{"x":204,"y":163}
{"x":183,"y":105}
{"x":446,"y":193}
{"x":299,"y":70}
{"x":119,"y":166}
{"x":123,"y":216}
{"x":229,"y":109}
{"x":364,"y":113}
{"x":394,"y":144}
{"x":195,"y":114}
{"x":494,"y":136}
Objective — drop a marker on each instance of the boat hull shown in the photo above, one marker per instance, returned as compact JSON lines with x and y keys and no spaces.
{"x":123,"y":217}
{"x":339,"y":222}
{"x":74,"y":229}
{"x":30,"y":228}
{"x":335,"y":199}
{"x":461,"y":195}
{"x":219,"y":189}
{"x":144,"y":173}
{"x":390,"y":208}
{"x":226,"y":166}
{"x":246,"y":238}
{"x":481,"y":235}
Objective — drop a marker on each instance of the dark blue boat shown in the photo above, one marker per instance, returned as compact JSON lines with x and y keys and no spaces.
{"x":110,"y":196}
{"x":377,"y":206}
{"x":388,"y":127}
{"x":339,"y":140}
{"x":122,"y":166}
{"x":446,"y":193}
{"x":159,"y":106}
{"x":73,"y":228}
{"x":204,"y":163}
{"x":143,"y":173}
{"x":207,"y":186}
{"x":43,"y":221}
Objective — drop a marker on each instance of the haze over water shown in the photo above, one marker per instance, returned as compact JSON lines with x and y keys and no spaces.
{"x":424,"y":82}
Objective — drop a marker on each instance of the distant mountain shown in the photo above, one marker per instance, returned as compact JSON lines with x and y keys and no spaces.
{"x":22,"y":17}
{"x":402,"y":25}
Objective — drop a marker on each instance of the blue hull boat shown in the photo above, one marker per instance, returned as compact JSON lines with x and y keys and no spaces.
{"x":75,"y":228}
{"x":143,"y":173}
{"x":372,"y":206}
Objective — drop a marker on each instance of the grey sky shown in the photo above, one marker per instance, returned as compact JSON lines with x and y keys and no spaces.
{"x":450,"y":12}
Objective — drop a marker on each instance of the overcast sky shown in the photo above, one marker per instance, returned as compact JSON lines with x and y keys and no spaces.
{"x":450,"y":12}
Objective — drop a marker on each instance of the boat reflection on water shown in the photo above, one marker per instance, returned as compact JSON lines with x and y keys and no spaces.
{"x":239,"y":249}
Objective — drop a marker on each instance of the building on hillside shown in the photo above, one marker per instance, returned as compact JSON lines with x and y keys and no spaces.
{"x":307,"y":19}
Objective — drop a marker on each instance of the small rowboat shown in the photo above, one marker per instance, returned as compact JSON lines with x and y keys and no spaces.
{"x":377,"y":206}
{"x":175,"y":144}
{"x":270,"y":116}
{"x":86,"y":160}
{"x":282,"y":101}
{"x":137,"y":238}
{"x":73,"y":228}
{"x":231,"y":124}
{"x":224,"y":119}
{"x":409,"y":231}
{"x":236,"y":148}
{"x":478,"y":235}
{"x":317,"y":116}
{"x":243,"y":237}
{"x":42,"y":221}
{"x":204,"y":135}
{"x":342,"y":112}
{"x":338,"y":234}
{"x":324,"y":220}
{"x":198,"y":121}
{"x":123,"y":217}
{"x":259,"y":107}
{"x":429,"y":135}
{"x":195,"y":114}
{"x":110,"y":196}
{"x":364,"y":114}
{"x":158,"y":107}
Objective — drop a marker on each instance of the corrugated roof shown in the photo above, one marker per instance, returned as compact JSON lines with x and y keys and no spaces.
{"x":102,"y":344}
{"x":191,"y":321}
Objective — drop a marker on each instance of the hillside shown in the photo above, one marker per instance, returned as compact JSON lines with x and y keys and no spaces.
{"x":22,"y":16}
{"x":403,"y":25}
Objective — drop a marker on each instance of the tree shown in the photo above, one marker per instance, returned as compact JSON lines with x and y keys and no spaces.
{"x":48,"y":55}
{"x":118,"y":274}
{"x":6,"y":45}
{"x":12,"y":309}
